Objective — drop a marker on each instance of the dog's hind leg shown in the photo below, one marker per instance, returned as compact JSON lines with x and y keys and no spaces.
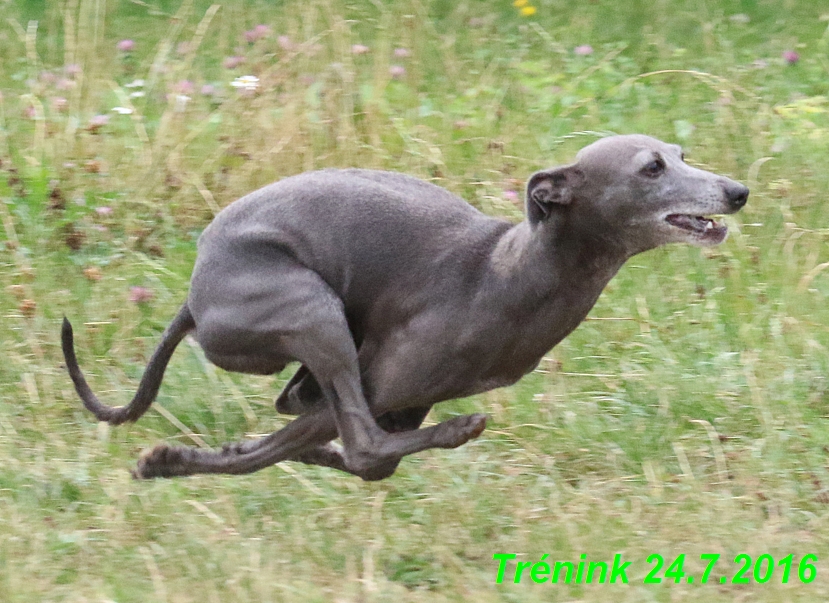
{"x":289,"y":313}
{"x":304,"y":320}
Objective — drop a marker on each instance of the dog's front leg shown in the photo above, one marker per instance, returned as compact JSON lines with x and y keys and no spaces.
{"x":331,"y":455}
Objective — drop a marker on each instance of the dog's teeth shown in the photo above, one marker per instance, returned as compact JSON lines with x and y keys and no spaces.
{"x":709,"y":225}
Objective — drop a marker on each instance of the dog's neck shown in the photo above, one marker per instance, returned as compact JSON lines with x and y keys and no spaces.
{"x":555,"y":257}
{"x":546,"y":277}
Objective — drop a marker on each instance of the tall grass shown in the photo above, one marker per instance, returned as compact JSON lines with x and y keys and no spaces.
{"x":686,"y":415}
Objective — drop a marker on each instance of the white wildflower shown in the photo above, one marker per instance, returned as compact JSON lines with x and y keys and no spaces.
{"x":181,"y":102}
{"x":246,"y":82}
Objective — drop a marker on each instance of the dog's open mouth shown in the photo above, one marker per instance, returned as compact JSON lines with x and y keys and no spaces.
{"x":702,"y":228}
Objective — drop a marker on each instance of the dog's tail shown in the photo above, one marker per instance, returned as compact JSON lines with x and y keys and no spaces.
{"x":150,"y":382}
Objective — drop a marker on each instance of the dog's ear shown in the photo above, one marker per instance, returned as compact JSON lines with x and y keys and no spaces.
{"x":550,"y":188}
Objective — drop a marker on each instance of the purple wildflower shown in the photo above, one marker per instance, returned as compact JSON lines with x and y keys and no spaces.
{"x":60,"y":104}
{"x":97,"y":122}
{"x":233,"y":62}
{"x":126,"y":45}
{"x":140,"y":295}
{"x":65,"y":84}
{"x":791,"y":57}
{"x":257,"y":33}
{"x":184,"y":87}
{"x":583,"y":50}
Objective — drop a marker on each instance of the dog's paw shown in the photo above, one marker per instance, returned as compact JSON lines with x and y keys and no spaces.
{"x":458,"y":431}
{"x":161,"y":461}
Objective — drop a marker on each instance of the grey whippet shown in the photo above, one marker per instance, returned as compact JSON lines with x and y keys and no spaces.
{"x":394,"y":294}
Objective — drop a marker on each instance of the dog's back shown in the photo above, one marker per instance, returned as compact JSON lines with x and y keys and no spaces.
{"x":363,"y":231}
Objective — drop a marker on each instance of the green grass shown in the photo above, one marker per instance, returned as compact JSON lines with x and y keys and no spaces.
{"x":686,"y":415}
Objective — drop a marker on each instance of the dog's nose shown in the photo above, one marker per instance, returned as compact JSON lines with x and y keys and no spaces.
{"x":736,"y":195}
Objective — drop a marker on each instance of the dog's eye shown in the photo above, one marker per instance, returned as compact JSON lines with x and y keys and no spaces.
{"x":682,"y":157}
{"x":654,"y":168}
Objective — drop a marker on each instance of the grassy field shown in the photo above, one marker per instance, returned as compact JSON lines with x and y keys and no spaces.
{"x":687,"y":415}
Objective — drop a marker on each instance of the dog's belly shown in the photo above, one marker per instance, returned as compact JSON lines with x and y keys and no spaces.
{"x":250,"y":364}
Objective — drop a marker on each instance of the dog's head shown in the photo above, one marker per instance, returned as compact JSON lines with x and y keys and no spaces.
{"x":637,"y":190}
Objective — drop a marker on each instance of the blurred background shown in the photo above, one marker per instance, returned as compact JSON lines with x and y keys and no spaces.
{"x":687,"y":415}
